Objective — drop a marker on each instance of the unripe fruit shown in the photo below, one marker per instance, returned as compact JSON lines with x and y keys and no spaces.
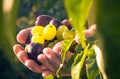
{"x":68,"y":34}
{"x":49,"y":32}
{"x":60,"y":30}
{"x":37,"y":30}
{"x":38,"y":38}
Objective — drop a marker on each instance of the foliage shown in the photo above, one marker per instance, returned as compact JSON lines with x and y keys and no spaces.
{"x":78,"y":15}
{"x":108,"y":22}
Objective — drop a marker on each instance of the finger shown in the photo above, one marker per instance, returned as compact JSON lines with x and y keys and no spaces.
{"x":87,"y":33}
{"x":17,"y":48}
{"x":91,"y":31}
{"x":45,"y":61}
{"x":22,"y":56}
{"x":22,"y":35}
{"x":68,"y":56}
{"x":57,"y":48}
{"x":52,"y":56}
{"x":47,"y":72}
{"x":33,"y":66}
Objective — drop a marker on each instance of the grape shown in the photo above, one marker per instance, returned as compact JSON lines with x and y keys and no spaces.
{"x":51,"y":44}
{"x":43,"y":20}
{"x":56,"y":22}
{"x":49,"y":32}
{"x":33,"y":50}
{"x":60,"y":30}
{"x":38,"y":38}
{"x":67,"y":23}
{"x":37,"y":29}
{"x":68,"y":34}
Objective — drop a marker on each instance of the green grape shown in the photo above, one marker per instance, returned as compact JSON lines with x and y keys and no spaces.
{"x":60,"y":30}
{"x":38,"y":38}
{"x":49,"y":32}
{"x":51,"y":44}
{"x":26,"y":48}
{"x":68,"y":34}
{"x":37,"y":29}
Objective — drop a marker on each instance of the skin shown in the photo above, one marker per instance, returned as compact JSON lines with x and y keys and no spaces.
{"x":50,"y":58}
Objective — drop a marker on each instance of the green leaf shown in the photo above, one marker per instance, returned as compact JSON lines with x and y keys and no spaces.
{"x":77,"y":11}
{"x":69,"y":64}
{"x":92,"y":69}
{"x":65,"y":46}
{"x":49,"y":77}
{"x":78,"y":63}
{"x":108,"y":25}
{"x":75,"y":70}
{"x":7,"y":32}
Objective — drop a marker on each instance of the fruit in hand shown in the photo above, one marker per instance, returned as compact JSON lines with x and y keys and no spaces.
{"x":68,"y":34}
{"x":46,"y":33}
{"x":37,"y":29}
{"x":60,"y":30}
{"x":55,"y":22}
{"x":43,"y":20}
{"x":38,"y":38}
{"x":33,"y":50}
{"x":49,"y":32}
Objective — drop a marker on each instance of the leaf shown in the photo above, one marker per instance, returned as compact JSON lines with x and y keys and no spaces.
{"x":69,"y":64}
{"x":65,"y":46}
{"x":92,"y":69}
{"x":7,"y":32}
{"x":77,"y":11}
{"x":78,"y":63}
{"x":77,"y":49}
{"x":108,"y":25}
{"x":75,"y":70}
{"x":49,"y":77}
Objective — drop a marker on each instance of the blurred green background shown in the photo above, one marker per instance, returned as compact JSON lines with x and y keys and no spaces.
{"x":14,"y":16}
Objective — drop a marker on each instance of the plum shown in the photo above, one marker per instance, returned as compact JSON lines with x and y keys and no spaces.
{"x":28,"y":40}
{"x":33,"y":50}
{"x":67,"y":23}
{"x":55,"y":22}
{"x":43,"y":20}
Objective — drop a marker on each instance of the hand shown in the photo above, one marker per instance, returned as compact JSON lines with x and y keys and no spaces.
{"x":53,"y":59}
{"x":22,"y":56}
{"x":50,"y":59}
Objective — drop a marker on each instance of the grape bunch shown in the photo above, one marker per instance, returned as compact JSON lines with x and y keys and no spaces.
{"x":46,"y":33}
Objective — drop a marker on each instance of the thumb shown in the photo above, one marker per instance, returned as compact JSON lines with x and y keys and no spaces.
{"x":87,"y":33}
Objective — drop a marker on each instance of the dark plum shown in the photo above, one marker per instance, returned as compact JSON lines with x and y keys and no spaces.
{"x":43,"y":20}
{"x":33,"y":50}
{"x":67,"y":23}
{"x":56,"y":22}
{"x":28,"y":40}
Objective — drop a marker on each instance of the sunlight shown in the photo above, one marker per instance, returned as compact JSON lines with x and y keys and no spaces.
{"x":7,"y":5}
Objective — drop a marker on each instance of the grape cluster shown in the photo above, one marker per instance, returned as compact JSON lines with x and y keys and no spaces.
{"x":47,"y":32}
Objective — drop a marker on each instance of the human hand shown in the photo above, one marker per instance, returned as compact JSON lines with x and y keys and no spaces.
{"x":50,"y":59}
{"x":22,"y":55}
